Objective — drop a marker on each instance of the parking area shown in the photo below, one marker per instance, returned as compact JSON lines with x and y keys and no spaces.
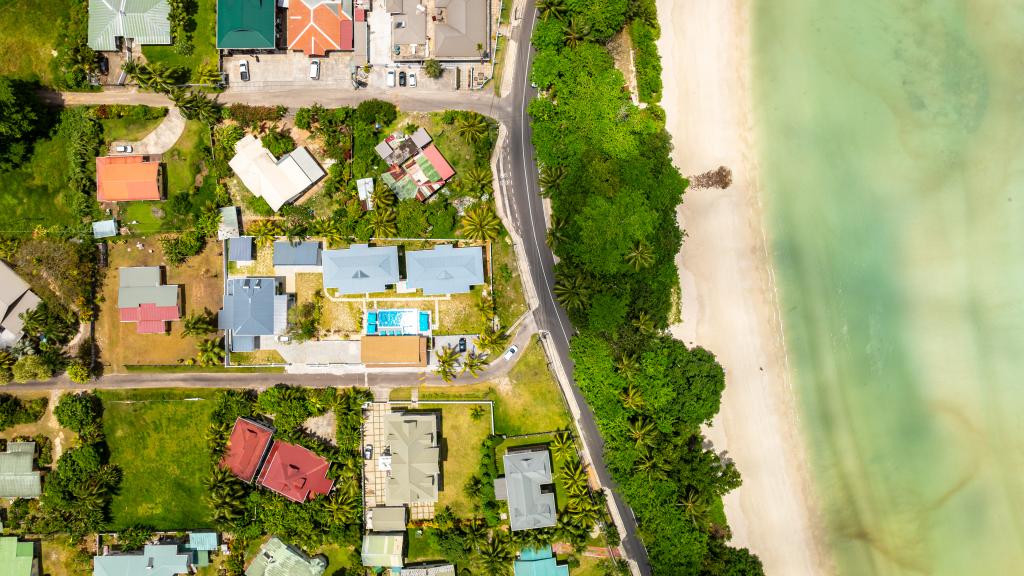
{"x":321,"y":353}
{"x":290,"y":69}
{"x":452,"y":341}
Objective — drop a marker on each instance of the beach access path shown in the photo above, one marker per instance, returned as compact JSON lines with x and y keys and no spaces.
{"x":729,"y":302}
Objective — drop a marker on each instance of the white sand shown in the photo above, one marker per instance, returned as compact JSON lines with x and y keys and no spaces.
{"x":728,"y":292}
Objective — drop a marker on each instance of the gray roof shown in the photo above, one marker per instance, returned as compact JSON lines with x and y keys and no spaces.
{"x":420,"y":137}
{"x":241,"y":249}
{"x":300,"y":254}
{"x":279,"y":559}
{"x":17,"y":478}
{"x":104,"y":229}
{"x":142,"y":285}
{"x":388,"y":518}
{"x":526,"y":473}
{"x":249,"y":307}
{"x":466,"y":24}
{"x":243,"y":343}
{"x":307,"y":163}
{"x":410,"y":25}
{"x":383,"y":149}
{"x":445,"y":269}
{"x":415,"y":458}
{"x":228,"y":227}
{"x":144,"y":20}
{"x":15,"y":300}
{"x":360,"y":269}
{"x":155,"y":560}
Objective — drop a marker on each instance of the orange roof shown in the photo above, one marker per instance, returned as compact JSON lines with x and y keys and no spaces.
{"x":318,"y":26}
{"x":393,"y":351}
{"x":121,"y":178}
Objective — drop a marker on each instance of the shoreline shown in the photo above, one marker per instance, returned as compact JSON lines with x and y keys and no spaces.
{"x":729,"y":299}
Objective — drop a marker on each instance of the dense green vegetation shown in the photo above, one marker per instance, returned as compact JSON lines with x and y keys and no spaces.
{"x":607,"y":169}
{"x":648,"y":62}
{"x":14,"y":411}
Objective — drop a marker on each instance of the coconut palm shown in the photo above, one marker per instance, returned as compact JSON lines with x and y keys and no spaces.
{"x":652,"y":467}
{"x":550,"y":179}
{"x":207,"y":74}
{"x":492,"y":339}
{"x":199,"y":324}
{"x":572,"y":291}
{"x":480,"y":223}
{"x":225,"y":495}
{"x":642,"y":431}
{"x":627,"y":366}
{"x":574,"y":477}
{"x":474,"y":534}
{"x":217,"y":436}
{"x":471,"y":126}
{"x":382,"y":223}
{"x":576,"y":33}
{"x":556,"y":234}
{"x":474,"y":363}
{"x":496,"y":555}
{"x":694,"y":507}
{"x":327,"y":228}
{"x":473,"y":488}
{"x":209,"y":352}
{"x":562,"y":446}
{"x":631,"y":398}
{"x":343,"y":506}
{"x":446,"y":363}
{"x":584,"y":510}
{"x":265,"y":231}
{"x":384,"y":196}
{"x":444,"y":518}
{"x":478,"y":181}
{"x":644,"y":323}
{"x":197,"y":106}
{"x":640,"y":257}
{"x":551,"y":9}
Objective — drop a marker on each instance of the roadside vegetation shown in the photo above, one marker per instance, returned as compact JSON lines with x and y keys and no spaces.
{"x":606,"y":167}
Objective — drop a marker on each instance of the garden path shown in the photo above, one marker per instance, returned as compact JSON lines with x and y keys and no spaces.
{"x":162,"y":138}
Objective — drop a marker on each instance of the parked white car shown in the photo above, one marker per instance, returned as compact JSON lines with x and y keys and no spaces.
{"x":511,"y":352}
{"x":412,"y":79}
{"x":391,"y":78}
{"x":314,"y":69}
{"x":124,"y":148}
{"x":243,"y":70}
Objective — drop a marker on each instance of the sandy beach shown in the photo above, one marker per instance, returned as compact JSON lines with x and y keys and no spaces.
{"x":729,"y":303}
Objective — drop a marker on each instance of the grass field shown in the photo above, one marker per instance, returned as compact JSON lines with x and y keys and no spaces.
{"x":462,"y":437}
{"x":204,"y":41}
{"x":184,"y":160}
{"x":157,"y":437}
{"x":62,"y":558}
{"x":31,"y":194}
{"x":508,"y":287}
{"x":421,"y":549}
{"x":28,"y":34}
{"x":127,"y":128}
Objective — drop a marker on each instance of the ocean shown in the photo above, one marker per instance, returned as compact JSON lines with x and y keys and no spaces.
{"x":891,"y":160}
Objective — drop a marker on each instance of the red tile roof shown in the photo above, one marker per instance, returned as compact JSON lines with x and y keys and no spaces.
{"x":151,"y":327}
{"x":149,"y":313}
{"x":444,"y":169}
{"x":295,"y":472}
{"x":123,"y":178}
{"x":246,"y":447}
{"x":318,"y":29}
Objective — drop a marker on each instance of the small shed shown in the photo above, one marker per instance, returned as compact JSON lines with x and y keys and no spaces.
{"x":241,"y":250}
{"x":297,"y":254}
{"x":387,"y":518}
{"x":383,"y":550}
{"x":228,"y":227}
{"x":365,"y":188}
{"x":104,"y":229}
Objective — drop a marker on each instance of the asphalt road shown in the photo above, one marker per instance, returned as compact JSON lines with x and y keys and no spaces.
{"x":527,"y":215}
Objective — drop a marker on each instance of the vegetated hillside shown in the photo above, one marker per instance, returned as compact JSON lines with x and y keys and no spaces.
{"x":606,"y":167}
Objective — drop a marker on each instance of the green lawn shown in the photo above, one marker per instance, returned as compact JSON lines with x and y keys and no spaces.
{"x":462,"y":438}
{"x":204,"y":41}
{"x":534,"y":404}
{"x":127,"y":128}
{"x":157,"y":437}
{"x":508,"y":287}
{"x":184,"y":160}
{"x":28,"y":34}
{"x":31,"y":194}
{"x":421,"y":548}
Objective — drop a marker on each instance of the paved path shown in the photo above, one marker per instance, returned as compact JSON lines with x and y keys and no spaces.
{"x":162,"y":138}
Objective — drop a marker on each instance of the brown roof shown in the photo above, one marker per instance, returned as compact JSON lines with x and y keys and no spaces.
{"x":382,"y":351}
{"x":121,"y":178}
{"x":246,"y":448}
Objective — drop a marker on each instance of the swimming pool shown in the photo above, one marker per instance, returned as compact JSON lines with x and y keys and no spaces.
{"x":409,"y":321}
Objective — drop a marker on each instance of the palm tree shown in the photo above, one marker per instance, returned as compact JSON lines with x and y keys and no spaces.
{"x":551,"y":8}
{"x":550,"y":179}
{"x":265,"y":231}
{"x":574,"y":477}
{"x":641,"y":256}
{"x":631,"y":398}
{"x":495,"y":556}
{"x":446,"y":363}
{"x":383,"y":196}
{"x":6,"y":359}
{"x":382,"y":223}
{"x":474,"y":363}
{"x":478,"y":181}
{"x":197,"y":106}
{"x":209,"y":352}
{"x":642,"y":431}
{"x":644,"y":323}
{"x":492,"y":339}
{"x":199,"y":324}
{"x":474,"y":487}
{"x":694,"y":507}
{"x":343,"y":506}
{"x":217,"y":437}
{"x":225,"y":495}
{"x":161,"y":76}
{"x":572,"y":291}
{"x":562,"y":446}
{"x":652,"y":467}
{"x":207,"y":74}
{"x":474,"y":534}
{"x":627,"y":366}
{"x":471,"y":126}
{"x":327,"y":228}
{"x":480,"y":223}
{"x":444,"y":518}
{"x":576,"y":33}
{"x":556,"y":234}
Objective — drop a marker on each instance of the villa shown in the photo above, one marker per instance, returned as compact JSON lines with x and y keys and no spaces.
{"x":247,"y":448}
{"x":116,"y":24}
{"x":415,"y":472}
{"x":252,"y":309}
{"x":155,"y":560}
{"x":276,"y":558}
{"x":278,"y":181}
{"x":417,"y":168}
{"x":295,"y":472}
{"x":360,"y":269}
{"x":452,"y":30}
{"x":15,"y":300}
{"x":528,"y":488}
{"x":144,"y":299}
{"x":317,"y":27}
{"x":445,"y":269}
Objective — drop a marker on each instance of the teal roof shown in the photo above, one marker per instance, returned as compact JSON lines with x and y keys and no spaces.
{"x":17,"y":558}
{"x":538,"y":562}
{"x":155,"y":560}
{"x":245,"y":24}
{"x":143,"y":20}
{"x":202,"y":540}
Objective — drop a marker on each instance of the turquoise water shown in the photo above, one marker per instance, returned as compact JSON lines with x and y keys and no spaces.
{"x":397,"y":322}
{"x":891,"y":138}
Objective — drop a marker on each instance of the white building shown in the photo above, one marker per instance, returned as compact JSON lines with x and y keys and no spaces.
{"x":276,"y":181}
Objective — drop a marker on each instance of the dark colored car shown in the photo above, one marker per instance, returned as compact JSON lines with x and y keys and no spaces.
{"x":104,"y":65}
{"x":462,"y":345}
{"x":401,"y":78}
{"x":368,"y":452}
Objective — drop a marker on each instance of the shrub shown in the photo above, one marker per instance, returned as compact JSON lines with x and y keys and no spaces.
{"x":278,"y":142}
{"x":178,"y":249}
{"x":79,"y":413}
{"x":134,"y":537}
{"x":433,"y":69}
{"x":31,"y":367}
{"x":374,"y":111}
{"x":258,"y":206}
{"x":78,"y":372}
{"x":252,"y":115}
{"x":648,"y":63}
{"x":14,"y":410}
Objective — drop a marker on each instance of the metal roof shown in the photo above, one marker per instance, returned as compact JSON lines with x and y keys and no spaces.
{"x":15,"y":299}
{"x":142,"y":285}
{"x":530,"y":504}
{"x":415,"y":458}
{"x":228,"y":227}
{"x":445,"y":269}
{"x":16,"y":558}
{"x":241,"y":249}
{"x":297,"y":254}
{"x":17,"y":478}
{"x":388,"y":518}
{"x":143,"y":20}
{"x":538,"y":562}
{"x":249,"y":307}
{"x":104,"y":229}
{"x":420,"y":137}
{"x":431,"y":570}
{"x":464,"y":25}
{"x":279,"y":559}
{"x":382,"y":549}
{"x":245,"y":24}
{"x":202,"y":540}
{"x":360,"y":269}
{"x":155,"y":560}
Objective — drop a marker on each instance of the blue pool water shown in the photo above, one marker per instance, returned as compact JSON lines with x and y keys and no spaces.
{"x":397,"y":322}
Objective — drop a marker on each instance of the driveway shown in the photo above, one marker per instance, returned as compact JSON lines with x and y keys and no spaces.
{"x":159,"y":140}
{"x":319,"y":355}
{"x":290,"y":70}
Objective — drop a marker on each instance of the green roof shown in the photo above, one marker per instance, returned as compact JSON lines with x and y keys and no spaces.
{"x":383,"y":550}
{"x":17,"y":558}
{"x":145,"y":21}
{"x":245,"y":24}
{"x":404,"y":188}
{"x":17,"y":479}
{"x":428,"y":169}
{"x":276,"y":558}
{"x":202,"y":540}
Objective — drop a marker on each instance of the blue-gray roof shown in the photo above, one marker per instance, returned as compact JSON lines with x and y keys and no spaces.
{"x":445,"y":269}
{"x":360,"y":269}
{"x":249,"y":307}
{"x":530,"y":506}
{"x":300,"y":254}
{"x":155,"y":560}
{"x":202,"y":540}
{"x":240,"y":249}
{"x":104,"y":229}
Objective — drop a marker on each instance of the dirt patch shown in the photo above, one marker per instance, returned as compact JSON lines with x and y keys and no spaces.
{"x":325,"y":427}
{"x":621,"y":49}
